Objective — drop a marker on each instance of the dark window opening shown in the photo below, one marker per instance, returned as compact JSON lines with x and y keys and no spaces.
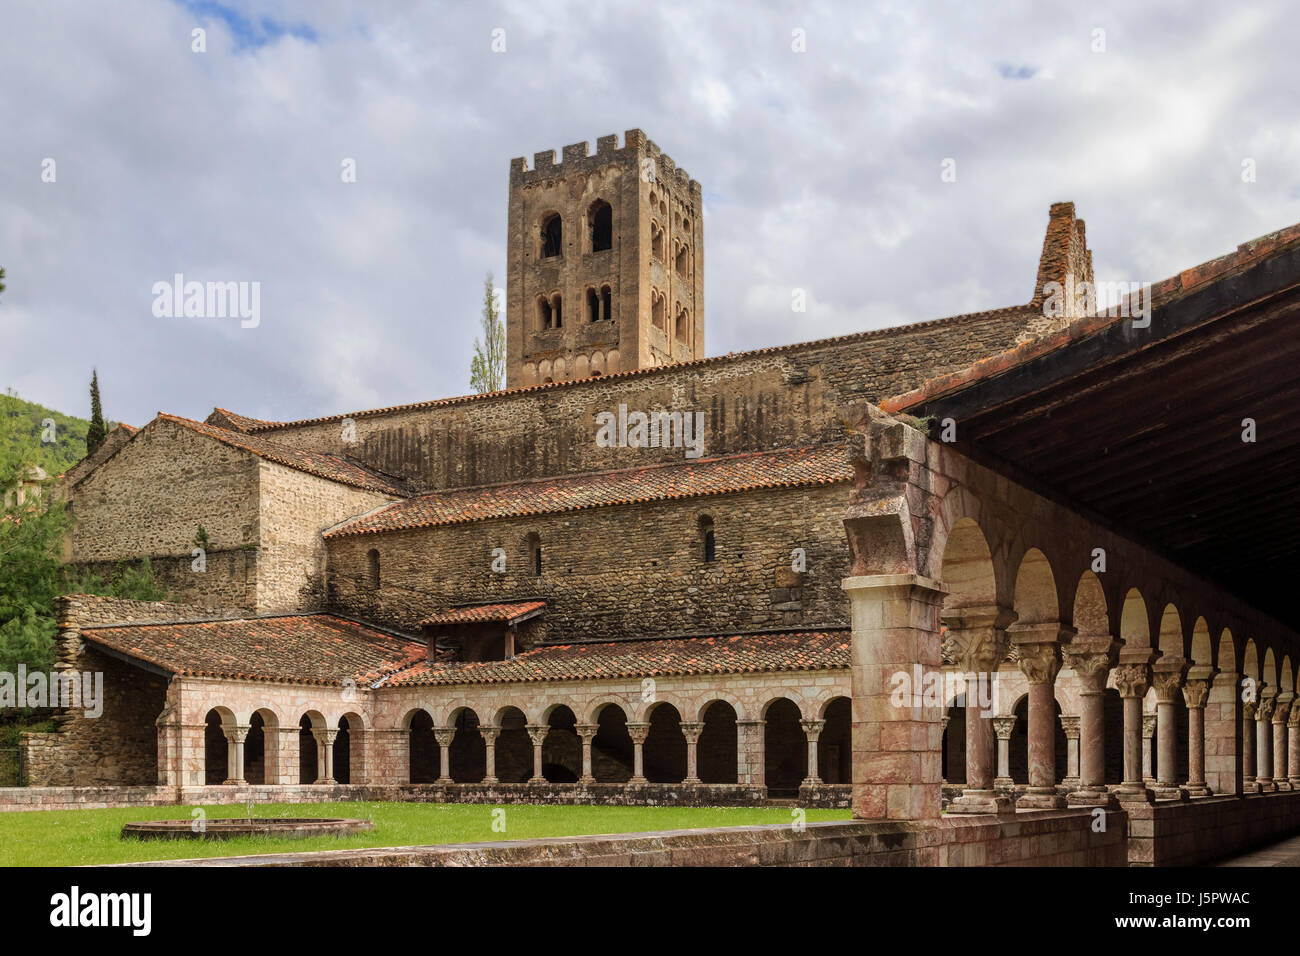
{"x":552,"y":236}
{"x":602,"y":226}
{"x":556,"y":317}
{"x":544,"y":317}
{"x":707,"y":539}
{"x":535,"y":553}
{"x":593,"y":306}
{"x":606,"y":301}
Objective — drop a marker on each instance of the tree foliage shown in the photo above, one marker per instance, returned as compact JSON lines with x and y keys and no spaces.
{"x":97,"y":432}
{"x":487,"y":370}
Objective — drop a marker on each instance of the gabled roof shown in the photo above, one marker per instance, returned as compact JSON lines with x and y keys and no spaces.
{"x":788,"y":468}
{"x":513,"y":613}
{"x":319,"y":464}
{"x":739,"y":654}
{"x":224,"y":418}
{"x":297,"y":649}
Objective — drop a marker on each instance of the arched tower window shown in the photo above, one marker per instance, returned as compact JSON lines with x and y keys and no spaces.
{"x":556,"y":315}
{"x":535,"y":553}
{"x":593,"y":306}
{"x":708,"y":545}
{"x":657,"y":309}
{"x":601,"y":217}
{"x":372,"y":569}
{"x":683,"y":326}
{"x":545,"y":316}
{"x":552,"y":236}
{"x":681,"y":262}
{"x":657,"y":241}
{"x":606,"y":301}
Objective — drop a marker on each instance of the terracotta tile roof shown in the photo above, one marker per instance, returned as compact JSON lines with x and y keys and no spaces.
{"x":224,"y":418}
{"x":485,"y":613}
{"x":1007,"y":312}
{"x":739,"y":654}
{"x":1162,"y":293}
{"x":788,"y":468}
{"x":321,"y":465}
{"x":298,"y":649}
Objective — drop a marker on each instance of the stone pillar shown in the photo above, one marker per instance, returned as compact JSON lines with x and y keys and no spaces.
{"x":1148,"y":736}
{"x":1091,"y":657}
{"x":235,"y":737}
{"x":638,"y":732}
{"x":588,"y":733}
{"x":1223,"y":744}
{"x":325,"y":738}
{"x":1131,"y":679}
{"x":1167,"y":675}
{"x":943,"y":723}
{"x":537,"y":733}
{"x":1280,"y":717}
{"x":1196,"y":692}
{"x":444,"y":736}
{"x":979,"y":642}
{"x":393,"y":765}
{"x":490,"y":734}
{"x":812,"y":730}
{"x":691,"y":730}
{"x":1264,"y":744}
{"x":1002,"y":728}
{"x":1040,"y":662}
{"x":751,"y":756}
{"x":1070,"y":727}
{"x":1249,"y":784}
{"x":896,"y":760}
{"x":1293,"y":747}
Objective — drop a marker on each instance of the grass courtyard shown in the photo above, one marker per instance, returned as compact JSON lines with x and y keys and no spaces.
{"x":76,"y":837}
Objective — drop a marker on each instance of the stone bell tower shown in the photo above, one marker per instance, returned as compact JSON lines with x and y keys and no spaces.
{"x":605,"y":265}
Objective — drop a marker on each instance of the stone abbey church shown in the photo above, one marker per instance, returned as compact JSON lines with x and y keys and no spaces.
{"x":473,"y":598}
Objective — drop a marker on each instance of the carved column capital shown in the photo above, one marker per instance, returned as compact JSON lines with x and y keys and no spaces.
{"x":1132,"y":680}
{"x":1167,"y":678}
{"x":977,"y":636}
{"x":812,"y":728}
{"x":1070,"y":724}
{"x":587,"y":730}
{"x":691,"y":729}
{"x":1091,"y":659}
{"x":1248,"y":709}
{"x":1283,"y":712}
{"x":326,"y":735}
{"x":537,"y":733}
{"x":237,"y":734}
{"x":1040,"y":662}
{"x":444,"y":735}
{"x":1195,"y":693}
{"x":1148,"y":725}
{"x":1002,"y":726}
{"x":489,"y":732}
{"x":638,"y":731}
{"x":1265,"y":712}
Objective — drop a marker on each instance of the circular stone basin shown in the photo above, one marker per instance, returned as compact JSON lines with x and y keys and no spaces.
{"x":288,"y":828}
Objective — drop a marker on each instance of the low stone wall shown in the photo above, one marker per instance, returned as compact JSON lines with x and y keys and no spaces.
{"x":1208,"y":828}
{"x":1047,"y":838}
{"x":82,"y":798}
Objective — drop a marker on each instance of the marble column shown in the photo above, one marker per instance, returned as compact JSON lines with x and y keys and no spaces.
{"x":638,"y":732}
{"x":944,"y":724}
{"x":490,"y":733}
{"x":691,"y":730}
{"x":1148,"y":738}
{"x":1132,"y":678}
{"x":235,"y":737}
{"x":1040,"y":662}
{"x":325,"y":738}
{"x":1293,"y":747}
{"x":537,"y":734}
{"x":444,"y":736}
{"x":588,"y":733}
{"x":1248,"y":782}
{"x":1196,"y":691}
{"x":1070,"y":727}
{"x":812,"y":730}
{"x":1264,"y":744}
{"x":979,"y":641}
{"x":1002,"y":727}
{"x":1281,"y":715}
{"x":1091,"y":658}
{"x":1167,"y":675}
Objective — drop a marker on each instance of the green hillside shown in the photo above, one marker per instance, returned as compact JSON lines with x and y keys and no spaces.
{"x":69,"y":445}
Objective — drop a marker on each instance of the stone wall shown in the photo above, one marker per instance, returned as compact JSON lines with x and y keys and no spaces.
{"x":754,"y":401}
{"x":295,"y":508}
{"x":1207,"y":829}
{"x":150,"y":498}
{"x":617,"y":572}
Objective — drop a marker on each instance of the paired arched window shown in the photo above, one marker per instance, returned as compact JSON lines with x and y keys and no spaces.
{"x":656,"y":241}
{"x":708,"y":544}
{"x":658,"y":311}
{"x":600,"y":218}
{"x":549,"y":313}
{"x":683,"y":326}
{"x":552,"y":236}
{"x":598,"y":304}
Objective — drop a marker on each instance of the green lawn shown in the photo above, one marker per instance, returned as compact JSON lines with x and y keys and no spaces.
{"x":71,"y":837}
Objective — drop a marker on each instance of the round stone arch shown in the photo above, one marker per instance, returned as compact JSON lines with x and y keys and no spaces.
{"x":612,"y":750}
{"x":218,"y":722}
{"x":1171,"y":634}
{"x":1090,"y":610}
{"x":1035,"y":595}
{"x":1202,"y":648}
{"x":960,"y":508}
{"x":715,"y":696}
{"x":424,"y":755}
{"x":835,"y":742}
{"x":621,"y":702}
{"x":262,"y":747}
{"x":514,"y":747}
{"x":718,"y":750}
{"x":1227,"y":657}
{"x":663,"y":754}
{"x":1269,"y":671}
{"x":785,"y":746}
{"x":350,"y":748}
{"x":561,"y":745}
{"x":467,"y":754}
{"x":309,"y":748}
{"x":1134,"y":620}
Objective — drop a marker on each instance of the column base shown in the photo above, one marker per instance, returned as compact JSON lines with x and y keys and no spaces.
{"x":492,"y":780}
{"x":1131,"y":793}
{"x":1003,"y":783}
{"x":692,"y":782}
{"x":444,"y":781}
{"x":1249,"y":786}
{"x":982,"y":801}
{"x":1283,"y":784}
{"x":587,"y":780}
{"x":637,"y":781}
{"x":1294,"y":780}
{"x":1265,"y":786}
{"x":326,"y":782}
{"x":1041,"y":798}
{"x":1165,"y":792}
{"x":1198,"y":790}
{"x":1072,"y":782}
{"x":234,"y":782}
{"x":1094,"y":797}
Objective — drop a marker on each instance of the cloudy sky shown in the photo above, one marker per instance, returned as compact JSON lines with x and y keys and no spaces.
{"x":821,"y":170}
